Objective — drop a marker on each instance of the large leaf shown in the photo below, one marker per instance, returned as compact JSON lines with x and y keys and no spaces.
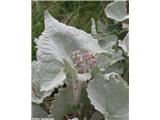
{"x":58,"y":41}
{"x":109,"y":95}
{"x":37,"y":94}
{"x":46,"y":77}
{"x":63,"y":103}
{"x":117,"y":10}
{"x":38,"y":112}
{"x":87,"y":108}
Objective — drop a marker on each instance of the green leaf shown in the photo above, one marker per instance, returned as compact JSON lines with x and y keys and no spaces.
{"x":106,"y":39}
{"x":97,"y":116}
{"x":63,"y":103}
{"x":94,"y":71}
{"x":104,"y":61}
{"x":109,"y":94}
{"x":117,"y":10}
{"x":101,"y":27}
{"x":69,"y":70}
{"x":109,"y":43}
{"x":86,"y":107}
{"x":125,"y":74}
{"x":118,"y":67}
{"x":38,"y":112}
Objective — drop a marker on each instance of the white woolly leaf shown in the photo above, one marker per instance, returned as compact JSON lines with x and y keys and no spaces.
{"x":84,"y":76}
{"x":37,"y":95}
{"x":58,"y":41}
{"x":124,"y":44}
{"x":45,"y":77}
{"x":93,"y":27}
{"x":109,"y":95}
{"x":74,"y":119}
{"x":117,"y":10}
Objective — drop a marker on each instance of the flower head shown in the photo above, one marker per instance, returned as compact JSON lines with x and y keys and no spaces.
{"x":83,"y":62}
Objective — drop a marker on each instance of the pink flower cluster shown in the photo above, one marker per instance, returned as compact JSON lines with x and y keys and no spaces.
{"x":83,"y":61}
